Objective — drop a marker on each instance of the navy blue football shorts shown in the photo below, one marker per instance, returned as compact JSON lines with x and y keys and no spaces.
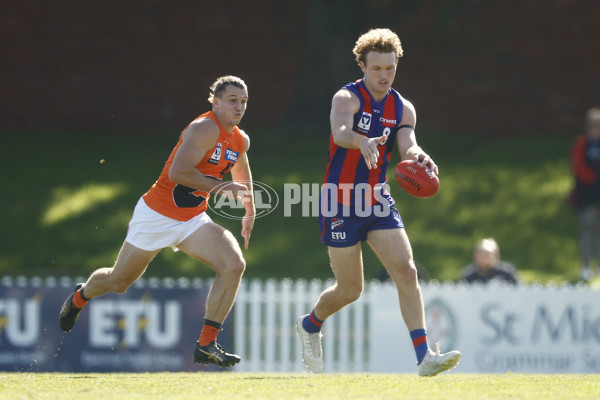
{"x":342,"y":231}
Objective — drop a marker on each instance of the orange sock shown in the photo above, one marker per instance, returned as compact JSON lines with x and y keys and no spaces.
{"x":79,"y":300}
{"x":209,"y":332}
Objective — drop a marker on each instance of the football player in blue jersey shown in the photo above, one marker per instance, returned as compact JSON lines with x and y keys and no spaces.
{"x":368,"y":119}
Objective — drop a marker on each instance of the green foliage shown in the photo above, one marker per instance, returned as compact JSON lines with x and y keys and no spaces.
{"x":513,"y":190}
{"x":66,"y":211}
{"x":233,"y":386}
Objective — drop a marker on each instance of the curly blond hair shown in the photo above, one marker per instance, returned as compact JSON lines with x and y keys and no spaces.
{"x":381,"y":40}
{"x":221,"y":83}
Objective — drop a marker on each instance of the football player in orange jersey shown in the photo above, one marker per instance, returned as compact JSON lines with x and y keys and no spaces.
{"x":172,"y":214}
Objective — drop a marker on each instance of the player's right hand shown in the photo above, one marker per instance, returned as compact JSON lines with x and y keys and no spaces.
{"x":247,"y":225}
{"x":233,"y":190}
{"x":369,"y":150}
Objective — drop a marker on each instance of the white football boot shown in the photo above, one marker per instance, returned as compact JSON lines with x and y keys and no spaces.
{"x":434,"y":363}
{"x":312,"y":352}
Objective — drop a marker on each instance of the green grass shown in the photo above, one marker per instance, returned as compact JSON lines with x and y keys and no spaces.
{"x":233,"y":386}
{"x":65,"y":212}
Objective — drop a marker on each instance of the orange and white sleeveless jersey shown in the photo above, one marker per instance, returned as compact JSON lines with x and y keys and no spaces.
{"x":182,"y":203}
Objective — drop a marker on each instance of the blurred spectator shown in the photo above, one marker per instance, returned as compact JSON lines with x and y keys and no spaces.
{"x":585,"y":163}
{"x":487,"y":266}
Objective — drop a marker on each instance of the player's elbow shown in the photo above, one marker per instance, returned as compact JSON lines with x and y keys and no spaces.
{"x":338,"y":139}
{"x":176,"y":174}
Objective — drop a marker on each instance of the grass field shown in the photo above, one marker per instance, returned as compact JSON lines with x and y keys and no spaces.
{"x":233,"y":386}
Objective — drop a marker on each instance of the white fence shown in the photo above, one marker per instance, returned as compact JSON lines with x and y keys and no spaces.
{"x":265,"y":333}
{"x":497,"y":328}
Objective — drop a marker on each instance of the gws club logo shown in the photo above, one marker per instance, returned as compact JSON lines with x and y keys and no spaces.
{"x":225,"y":205}
{"x":441,"y":324}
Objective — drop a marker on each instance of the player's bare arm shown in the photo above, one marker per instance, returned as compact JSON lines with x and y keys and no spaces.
{"x":241,"y":173}
{"x":343,"y":107}
{"x":198,"y":139}
{"x":407,"y":141}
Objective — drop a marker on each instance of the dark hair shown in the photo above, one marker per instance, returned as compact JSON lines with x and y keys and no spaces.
{"x":222,"y":83}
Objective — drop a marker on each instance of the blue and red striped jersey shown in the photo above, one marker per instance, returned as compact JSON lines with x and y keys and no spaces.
{"x":347,"y":166}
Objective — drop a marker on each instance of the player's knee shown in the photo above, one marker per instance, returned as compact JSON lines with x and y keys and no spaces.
{"x":351,"y":293}
{"x":235,"y":268}
{"x":239,"y":267}
{"x":354,"y":294}
{"x":406,"y":274}
{"x":120,"y":286}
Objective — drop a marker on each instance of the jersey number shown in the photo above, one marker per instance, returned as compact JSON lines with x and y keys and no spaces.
{"x":184,"y":197}
{"x":226,"y":169}
{"x":386,"y":133}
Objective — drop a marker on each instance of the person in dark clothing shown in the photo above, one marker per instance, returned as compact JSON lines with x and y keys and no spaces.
{"x":585,"y":164}
{"x":487,"y":266}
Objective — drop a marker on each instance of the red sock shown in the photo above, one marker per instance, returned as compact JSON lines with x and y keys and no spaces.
{"x":79,"y":300}
{"x":209,"y":332}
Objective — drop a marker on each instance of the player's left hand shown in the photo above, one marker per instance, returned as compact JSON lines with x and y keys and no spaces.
{"x":423,"y":159}
{"x":247,"y":225}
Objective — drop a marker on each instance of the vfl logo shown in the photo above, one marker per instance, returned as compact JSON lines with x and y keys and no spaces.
{"x":216,"y":155}
{"x":231,"y":155}
{"x":365,"y":122}
{"x":336,"y":223}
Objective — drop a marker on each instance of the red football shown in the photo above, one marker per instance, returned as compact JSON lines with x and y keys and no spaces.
{"x":416,"y":180}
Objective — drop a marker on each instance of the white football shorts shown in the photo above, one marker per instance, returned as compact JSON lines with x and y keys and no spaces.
{"x":149,"y":230}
